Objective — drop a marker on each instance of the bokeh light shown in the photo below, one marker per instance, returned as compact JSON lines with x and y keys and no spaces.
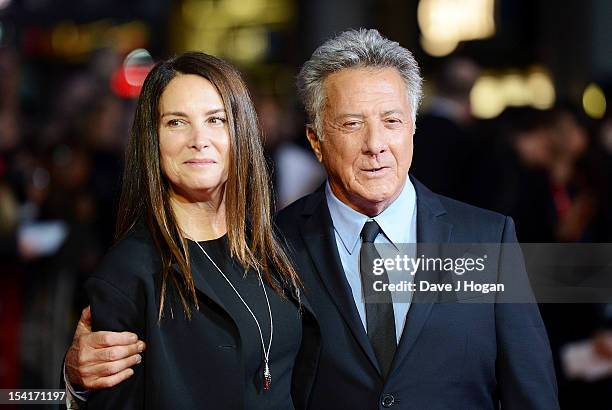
{"x":594,"y":101}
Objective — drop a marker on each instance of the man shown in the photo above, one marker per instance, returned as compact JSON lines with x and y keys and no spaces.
{"x":361,"y":92}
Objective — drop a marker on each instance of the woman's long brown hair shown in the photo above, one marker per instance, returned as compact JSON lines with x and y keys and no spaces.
{"x":145,"y":190}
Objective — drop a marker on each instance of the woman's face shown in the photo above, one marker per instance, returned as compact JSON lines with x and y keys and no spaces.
{"x":194,"y":138}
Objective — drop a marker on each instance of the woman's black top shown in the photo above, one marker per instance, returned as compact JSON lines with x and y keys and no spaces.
{"x":213,"y":360}
{"x":286,"y":320}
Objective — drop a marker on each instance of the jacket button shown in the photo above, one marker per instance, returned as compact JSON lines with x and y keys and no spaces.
{"x":387,"y":400}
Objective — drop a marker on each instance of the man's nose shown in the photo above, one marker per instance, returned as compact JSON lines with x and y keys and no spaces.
{"x":374,"y":141}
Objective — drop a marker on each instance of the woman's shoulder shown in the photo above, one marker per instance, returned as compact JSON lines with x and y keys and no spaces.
{"x":123,"y":282}
{"x":133,"y":258}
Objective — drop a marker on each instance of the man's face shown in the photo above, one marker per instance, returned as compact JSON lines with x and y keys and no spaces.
{"x":366,"y":146}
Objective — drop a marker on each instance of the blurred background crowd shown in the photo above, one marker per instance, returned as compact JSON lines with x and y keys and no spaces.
{"x":514,"y":120}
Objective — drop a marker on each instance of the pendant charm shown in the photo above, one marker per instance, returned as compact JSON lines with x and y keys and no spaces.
{"x":267,"y":380}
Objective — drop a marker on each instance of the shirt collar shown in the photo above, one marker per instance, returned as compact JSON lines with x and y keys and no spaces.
{"x":394,"y":220}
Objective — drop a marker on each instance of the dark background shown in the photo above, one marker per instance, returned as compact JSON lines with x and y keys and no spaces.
{"x":65,"y":112}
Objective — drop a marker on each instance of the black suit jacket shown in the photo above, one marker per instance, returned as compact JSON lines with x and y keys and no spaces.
{"x":192,"y":364}
{"x":450,"y":356}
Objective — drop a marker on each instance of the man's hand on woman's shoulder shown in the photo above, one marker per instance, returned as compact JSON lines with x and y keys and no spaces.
{"x":98,"y":360}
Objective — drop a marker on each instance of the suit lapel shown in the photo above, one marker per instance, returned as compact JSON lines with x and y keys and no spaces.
{"x":202,"y":285}
{"x":317,"y":232}
{"x":431,"y":229}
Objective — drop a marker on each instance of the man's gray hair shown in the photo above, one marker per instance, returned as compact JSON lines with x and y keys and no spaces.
{"x":361,"y":48}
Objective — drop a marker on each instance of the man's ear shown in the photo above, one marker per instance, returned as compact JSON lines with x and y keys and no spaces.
{"x":315,"y":143}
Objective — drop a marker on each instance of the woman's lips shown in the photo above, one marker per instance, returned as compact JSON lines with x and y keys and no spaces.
{"x":200,"y":162}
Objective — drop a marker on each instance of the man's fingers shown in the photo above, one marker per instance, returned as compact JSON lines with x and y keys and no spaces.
{"x":106,"y":369}
{"x":86,"y":316}
{"x":102,"y":348}
{"x":111,"y":354}
{"x":108,"y":339}
{"x":84,"y":325}
{"x":110,"y":381}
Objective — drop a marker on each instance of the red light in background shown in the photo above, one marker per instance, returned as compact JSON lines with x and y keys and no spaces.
{"x":120,"y":85}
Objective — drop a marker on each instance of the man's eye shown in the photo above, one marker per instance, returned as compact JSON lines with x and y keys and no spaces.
{"x":393,"y":121}
{"x":351,"y":124}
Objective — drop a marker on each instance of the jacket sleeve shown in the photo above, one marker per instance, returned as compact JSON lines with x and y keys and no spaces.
{"x":74,"y":400}
{"x":524,"y":367}
{"x":114,"y":309}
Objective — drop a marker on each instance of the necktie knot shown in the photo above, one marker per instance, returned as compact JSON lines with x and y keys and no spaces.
{"x":370,"y":231}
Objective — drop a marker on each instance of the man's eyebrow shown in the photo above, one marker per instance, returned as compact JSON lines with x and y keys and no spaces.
{"x":182,"y":114}
{"x":348,"y":115}
{"x":390,"y":112}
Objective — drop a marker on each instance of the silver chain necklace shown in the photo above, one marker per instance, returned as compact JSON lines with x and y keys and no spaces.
{"x":267,"y":379}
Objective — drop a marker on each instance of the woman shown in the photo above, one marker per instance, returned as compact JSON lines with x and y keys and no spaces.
{"x":198,"y":273}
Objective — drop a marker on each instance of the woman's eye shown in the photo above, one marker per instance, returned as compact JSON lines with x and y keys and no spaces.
{"x":175,"y":122}
{"x":217,"y":120}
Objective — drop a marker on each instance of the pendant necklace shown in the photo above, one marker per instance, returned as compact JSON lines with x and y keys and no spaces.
{"x":267,"y":377}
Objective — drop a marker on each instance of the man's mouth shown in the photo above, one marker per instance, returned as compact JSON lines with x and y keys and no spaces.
{"x":375,"y":170}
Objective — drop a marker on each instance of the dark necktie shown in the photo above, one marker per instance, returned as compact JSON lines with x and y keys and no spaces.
{"x":380,"y":319}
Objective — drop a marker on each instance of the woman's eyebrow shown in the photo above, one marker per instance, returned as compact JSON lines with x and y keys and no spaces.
{"x":182,"y":114}
{"x":174,"y":113}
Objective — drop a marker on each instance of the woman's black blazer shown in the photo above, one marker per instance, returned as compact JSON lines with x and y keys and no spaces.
{"x":188,"y":364}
